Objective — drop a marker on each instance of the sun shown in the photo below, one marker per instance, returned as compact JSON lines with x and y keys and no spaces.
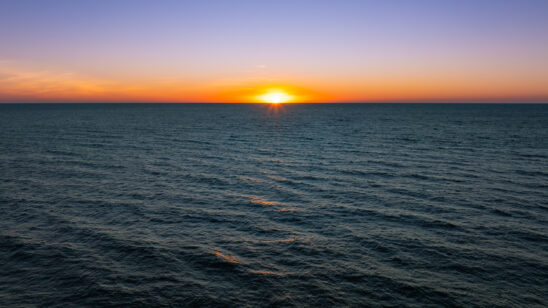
{"x":275,"y":96}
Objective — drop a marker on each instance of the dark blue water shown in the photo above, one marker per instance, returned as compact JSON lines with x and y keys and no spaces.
{"x":334,"y":205}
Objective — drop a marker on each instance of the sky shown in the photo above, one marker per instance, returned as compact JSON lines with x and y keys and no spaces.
{"x":241,"y":50}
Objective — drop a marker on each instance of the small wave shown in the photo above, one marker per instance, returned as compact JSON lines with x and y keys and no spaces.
{"x":266,"y":273}
{"x":228,"y":259}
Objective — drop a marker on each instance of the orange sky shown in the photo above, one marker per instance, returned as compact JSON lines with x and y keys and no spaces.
{"x":27,"y":84}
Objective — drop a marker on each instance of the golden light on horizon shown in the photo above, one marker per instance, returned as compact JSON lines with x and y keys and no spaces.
{"x":275,"y":96}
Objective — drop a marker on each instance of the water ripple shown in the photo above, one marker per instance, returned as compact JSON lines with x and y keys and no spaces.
{"x":230,"y":205}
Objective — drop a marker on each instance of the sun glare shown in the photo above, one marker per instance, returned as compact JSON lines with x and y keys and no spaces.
{"x":275,"y":97}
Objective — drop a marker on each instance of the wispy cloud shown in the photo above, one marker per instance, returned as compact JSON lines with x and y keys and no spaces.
{"x":23,"y":83}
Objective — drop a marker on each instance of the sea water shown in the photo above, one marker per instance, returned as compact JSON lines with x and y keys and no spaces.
{"x":257,"y":205}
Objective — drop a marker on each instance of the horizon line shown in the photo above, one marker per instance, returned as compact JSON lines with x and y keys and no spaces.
{"x":299,"y":103}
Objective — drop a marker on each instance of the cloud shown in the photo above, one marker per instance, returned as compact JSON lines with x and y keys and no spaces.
{"x":22,"y":83}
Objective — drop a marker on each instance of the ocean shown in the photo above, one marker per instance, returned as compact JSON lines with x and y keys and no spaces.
{"x":253,"y":205}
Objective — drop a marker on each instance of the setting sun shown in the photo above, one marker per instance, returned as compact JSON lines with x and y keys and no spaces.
{"x":275,"y":97}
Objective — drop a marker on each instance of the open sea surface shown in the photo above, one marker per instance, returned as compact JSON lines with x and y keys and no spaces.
{"x":249,"y":205}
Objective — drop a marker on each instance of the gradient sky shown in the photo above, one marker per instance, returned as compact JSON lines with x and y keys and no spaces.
{"x":229,"y":51}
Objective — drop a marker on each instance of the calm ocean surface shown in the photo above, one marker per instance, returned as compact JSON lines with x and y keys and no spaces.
{"x":309,"y":205}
